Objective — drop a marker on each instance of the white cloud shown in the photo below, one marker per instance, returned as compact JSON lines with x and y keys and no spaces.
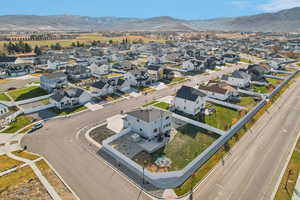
{"x":276,"y":5}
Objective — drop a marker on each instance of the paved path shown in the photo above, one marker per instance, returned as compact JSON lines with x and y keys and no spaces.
{"x":253,"y":167}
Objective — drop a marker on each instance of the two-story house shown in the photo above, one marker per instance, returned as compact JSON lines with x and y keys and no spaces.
{"x":238,"y":79}
{"x":53,"y":81}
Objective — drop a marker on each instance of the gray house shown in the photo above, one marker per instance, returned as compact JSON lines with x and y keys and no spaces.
{"x":53,"y":81}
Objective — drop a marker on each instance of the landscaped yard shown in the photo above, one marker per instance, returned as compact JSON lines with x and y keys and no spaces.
{"x":260,"y":89}
{"x":4,"y":97}
{"x":223,"y":118}
{"x":67,"y":111}
{"x":294,"y":168}
{"x":8,"y":163}
{"x":247,"y":102}
{"x":189,"y":142}
{"x":26,"y":155}
{"x":162,"y":105}
{"x":150,"y":103}
{"x":19,"y":123}
{"x":27,"y":93}
{"x":175,"y":80}
{"x":273,"y":81}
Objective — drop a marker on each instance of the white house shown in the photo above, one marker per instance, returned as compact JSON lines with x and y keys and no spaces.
{"x":103,"y":87}
{"x":216,"y":92}
{"x":153,"y":60}
{"x":56,"y":80}
{"x":69,"y":98}
{"x":149,"y":122}
{"x":238,"y":79}
{"x":138,"y":77}
{"x":189,"y":100}
{"x":98,"y":69}
{"x":56,"y":64}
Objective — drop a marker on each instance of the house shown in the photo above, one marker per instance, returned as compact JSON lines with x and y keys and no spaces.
{"x":231,"y":58}
{"x":57,"y":63}
{"x":78,"y":72}
{"x":99,"y":69}
{"x":53,"y":81}
{"x":189,"y":100}
{"x":14,"y":70}
{"x":103,"y":87}
{"x":148,"y":123}
{"x":3,"y":109}
{"x":138,"y":77}
{"x":69,"y":98}
{"x":154,"y":60}
{"x":194,"y":65}
{"x":156,"y":72}
{"x":257,"y":72}
{"x":123,"y":85}
{"x":238,"y":79}
{"x":216,"y":91}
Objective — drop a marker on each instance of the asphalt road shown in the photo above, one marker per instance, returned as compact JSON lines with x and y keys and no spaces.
{"x":253,"y":167}
{"x":16,"y":83}
{"x":88,"y":176}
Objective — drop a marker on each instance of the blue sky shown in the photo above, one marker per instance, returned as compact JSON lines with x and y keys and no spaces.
{"x":185,"y":9}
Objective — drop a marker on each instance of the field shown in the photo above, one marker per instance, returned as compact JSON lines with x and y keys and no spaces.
{"x":85,"y":38}
{"x":27,"y":93}
{"x":19,"y":123}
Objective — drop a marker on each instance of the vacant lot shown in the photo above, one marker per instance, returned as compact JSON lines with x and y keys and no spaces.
{"x":27,"y":93}
{"x":26,"y":155}
{"x":8,"y":163}
{"x":19,"y":123}
{"x":58,"y":185}
{"x":22,"y":184}
{"x":189,"y":142}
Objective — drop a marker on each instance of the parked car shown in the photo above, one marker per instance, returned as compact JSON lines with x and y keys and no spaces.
{"x":36,"y":126}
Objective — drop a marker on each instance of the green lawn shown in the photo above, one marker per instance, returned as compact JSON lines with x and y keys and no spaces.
{"x":67,"y":111}
{"x":19,"y":123}
{"x":175,"y":80}
{"x":294,"y":167}
{"x":162,"y":105}
{"x":247,"y":102}
{"x":273,"y":81}
{"x":223,"y":118}
{"x":298,"y":64}
{"x":27,"y":93}
{"x":45,"y":101}
{"x":150,"y":103}
{"x":245,"y":60}
{"x":189,"y":142}
{"x":260,"y":89}
{"x":4,"y":97}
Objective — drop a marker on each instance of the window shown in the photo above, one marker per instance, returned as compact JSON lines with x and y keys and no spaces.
{"x":155,"y":130}
{"x":167,"y":117}
{"x":141,"y":129}
{"x":184,"y":107}
{"x":137,"y":120}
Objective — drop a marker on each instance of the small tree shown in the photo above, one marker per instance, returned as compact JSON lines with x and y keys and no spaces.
{"x":37,"y":51}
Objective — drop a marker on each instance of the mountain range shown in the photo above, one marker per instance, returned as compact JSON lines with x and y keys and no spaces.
{"x":282,"y":21}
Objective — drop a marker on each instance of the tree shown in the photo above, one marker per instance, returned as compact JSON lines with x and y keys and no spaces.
{"x":73,"y":44}
{"x":27,"y":48}
{"x":37,"y":51}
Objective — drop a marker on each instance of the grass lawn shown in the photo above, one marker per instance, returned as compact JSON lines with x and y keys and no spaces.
{"x":245,"y":60}
{"x":26,"y":155}
{"x":294,"y":167}
{"x":273,"y":81}
{"x":67,"y":111}
{"x":175,"y":80}
{"x":260,"y":89}
{"x":211,"y":162}
{"x":19,"y":123}
{"x":45,"y":101}
{"x":298,"y":64}
{"x":247,"y":102}
{"x":223,"y":118}
{"x":113,"y":75}
{"x":150,"y":103}
{"x":162,"y":105}
{"x":23,"y":174}
{"x":8,"y":163}
{"x":4,"y":97}
{"x":27,"y":93}
{"x":189,"y":142}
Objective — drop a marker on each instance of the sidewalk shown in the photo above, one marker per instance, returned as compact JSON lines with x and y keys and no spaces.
{"x":296,"y":193}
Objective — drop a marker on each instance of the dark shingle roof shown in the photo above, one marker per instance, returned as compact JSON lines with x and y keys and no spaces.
{"x":189,"y":93}
{"x":99,"y":84}
{"x":214,"y":88}
{"x":71,"y":93}
{"x":7,"y":59}
{"x":147,"y":115}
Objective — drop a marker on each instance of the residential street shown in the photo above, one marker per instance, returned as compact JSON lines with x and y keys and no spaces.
{"x":88,"y":176}
{"x":253,"y":167}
